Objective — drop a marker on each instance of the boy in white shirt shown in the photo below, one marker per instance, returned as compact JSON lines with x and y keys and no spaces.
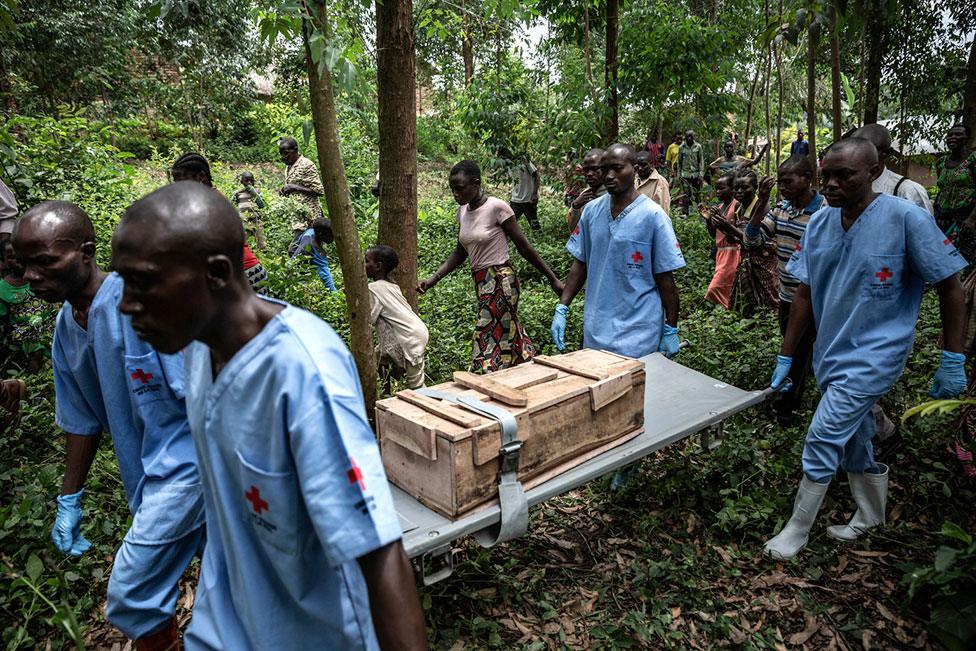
{"x":402,"y":335}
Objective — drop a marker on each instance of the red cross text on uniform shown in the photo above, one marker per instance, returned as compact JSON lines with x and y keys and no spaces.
{"x":637,"y":257}
{"x":947,"y":241}
{"x":355,"y":475}
{"x":254,"y":497}
{"x":884,"y":274}
{"x":142,"y":376}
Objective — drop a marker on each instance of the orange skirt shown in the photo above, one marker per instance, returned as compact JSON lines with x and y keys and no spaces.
{"x":720,"y":289}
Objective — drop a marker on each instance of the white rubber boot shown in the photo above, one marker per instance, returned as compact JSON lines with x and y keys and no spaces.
{"x":870,"y":491}
{"x":796,"y":533}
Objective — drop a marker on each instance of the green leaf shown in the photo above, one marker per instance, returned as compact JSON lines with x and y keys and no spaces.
{"x":34,"y":567}
{"x":945,"y":557}
{"x":953,"y":530}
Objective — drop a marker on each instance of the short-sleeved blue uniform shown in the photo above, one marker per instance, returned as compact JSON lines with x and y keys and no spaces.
{"x":108,"y":380}
{"x":295,"y":492}
{"x":866,"y":289}
{"x":622,"y":312}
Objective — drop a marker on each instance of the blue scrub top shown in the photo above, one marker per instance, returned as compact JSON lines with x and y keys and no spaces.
{"x":305,"y":245}
{"x":295,"y":492}
{"x":622,"y":312}
{"x":108,"y":380}
{"x":866,"y":289}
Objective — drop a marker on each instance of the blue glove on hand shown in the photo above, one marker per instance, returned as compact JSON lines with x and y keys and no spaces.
{"x":66,"y":533}
{"x":780,"y":381}
{"x":558,"y":327}
{"x":950,"y":380}
{"x":670,"y":344}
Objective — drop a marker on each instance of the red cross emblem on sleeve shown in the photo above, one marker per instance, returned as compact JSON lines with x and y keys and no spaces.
{"x":142,"y":376}
{"x":884,"y":274}
{"x":947,"y":241}
{"x":637,"y":257}
{"x":355,"y":475}
{"x":254,"y":497}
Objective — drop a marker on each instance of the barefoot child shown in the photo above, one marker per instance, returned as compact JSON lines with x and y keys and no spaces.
{"x":403,"y":336}
{"x":312,"y":243}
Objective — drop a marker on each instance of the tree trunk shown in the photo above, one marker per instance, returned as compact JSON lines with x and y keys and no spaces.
{"x":397,"y":117}
{"x":769,"y":121}
{"x":9,"y":99}
{"x":779,"y":101}
{"x":752,"y":98}
{"x":835,"y":74}
{"x":610,"y":71}
{"x":587,"y":56}
{"x":812,"y":38}
{"x":337,"y":198}
{"x":467,"y":53}
{"x":969,"y":93}
{"x":875,"y":39}
{"x":467,"y":47}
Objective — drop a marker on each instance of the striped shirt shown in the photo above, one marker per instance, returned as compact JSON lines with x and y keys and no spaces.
{"x":785,"y":224}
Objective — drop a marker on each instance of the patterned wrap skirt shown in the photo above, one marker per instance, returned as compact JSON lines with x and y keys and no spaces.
{"x":499,"y":338}
{"x":757,"y":280}
{"x":258,"y":278}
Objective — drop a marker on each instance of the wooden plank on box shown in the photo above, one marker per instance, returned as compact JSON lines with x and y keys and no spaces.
{"x":528,"y":375}
{"x":440,"y":408}
{"x":569,"y":367}
{"x":488,"y":386}
{"x":606,"y":391}
{"x":413,"y":436}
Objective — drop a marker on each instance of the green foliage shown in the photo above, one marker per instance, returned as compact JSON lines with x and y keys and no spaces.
{"x":950,"y":583}
{"x":69,"y":159}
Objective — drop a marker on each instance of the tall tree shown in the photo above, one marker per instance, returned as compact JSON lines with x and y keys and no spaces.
{"x":315,"y":35}
{"x":969,"y":92}
{"x":835,"y":72}
{"x":874,"y":35}
{"x":397,"y":116}
{"x":610,"y":71}
{"x":812,"y":39}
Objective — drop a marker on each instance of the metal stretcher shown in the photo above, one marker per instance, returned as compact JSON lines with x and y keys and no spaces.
{"x":678,"y":403}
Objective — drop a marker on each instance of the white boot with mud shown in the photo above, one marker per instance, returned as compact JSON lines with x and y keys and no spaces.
{"x":870,"y":491}
{"x":796,"y":533}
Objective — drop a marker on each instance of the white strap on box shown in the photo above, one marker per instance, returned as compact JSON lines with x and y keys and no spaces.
{"x":511,"y":496}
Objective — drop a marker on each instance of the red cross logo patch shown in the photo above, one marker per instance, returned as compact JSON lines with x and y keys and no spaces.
{"x":947,"y":241}
{"x":576,"y":230}
{"x":142,"y":376}
{"x":254,"y":497}
{"x":798,"y":248}
{"x":884,"y":274}
{"x":637,"y":257}
{"x":355,"y":475}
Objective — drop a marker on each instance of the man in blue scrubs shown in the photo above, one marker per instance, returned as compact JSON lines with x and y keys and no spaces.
{"x":625,"y":251}
{"x":862,"y":264}
{"x":303,"y":545}
{"x":107,"y":380}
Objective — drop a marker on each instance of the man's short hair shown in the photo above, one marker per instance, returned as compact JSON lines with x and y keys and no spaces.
{"x":288,"y":143}
{"x":642,"y":154}
{"x":798,"y":164}
{"x":385,"y":255}
{"x":76,"y":223}
{"x":467,"y":167}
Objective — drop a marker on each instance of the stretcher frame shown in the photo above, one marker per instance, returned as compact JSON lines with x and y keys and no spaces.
{"x":678,"y":403}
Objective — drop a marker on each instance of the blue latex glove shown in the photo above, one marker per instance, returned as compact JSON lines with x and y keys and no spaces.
{"x":670,"y":344}
{"x":780,"y":381}
{"x":950,"y":380}
{"x":66,"y":533}
{"x":558,"y":328}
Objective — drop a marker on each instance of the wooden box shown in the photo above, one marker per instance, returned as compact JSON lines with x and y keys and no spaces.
{"x":568,"y":408}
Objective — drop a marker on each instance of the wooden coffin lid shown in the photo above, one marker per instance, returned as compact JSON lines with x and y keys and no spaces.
{"x":414,"y":421}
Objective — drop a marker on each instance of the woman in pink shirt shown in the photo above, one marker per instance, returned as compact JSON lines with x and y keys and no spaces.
{"x":486,"y":225}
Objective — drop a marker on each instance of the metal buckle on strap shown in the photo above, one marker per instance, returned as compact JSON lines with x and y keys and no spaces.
{"x":509,"y":454}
